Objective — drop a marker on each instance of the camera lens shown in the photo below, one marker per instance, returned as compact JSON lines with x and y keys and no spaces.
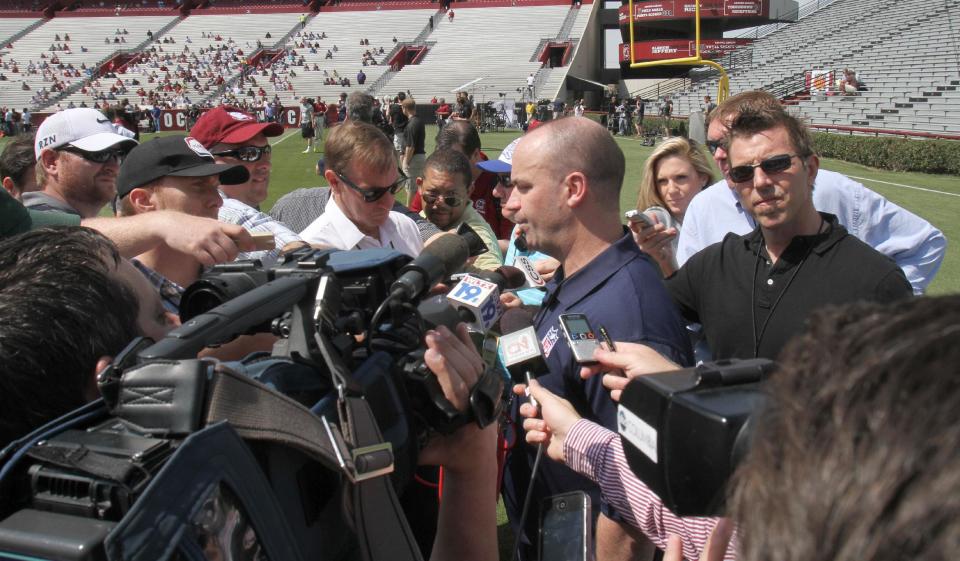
{"x":562,"y":505}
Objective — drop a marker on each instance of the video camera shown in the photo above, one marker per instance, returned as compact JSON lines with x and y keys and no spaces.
{"x":684,"y":432}
{"x":294,"y":454}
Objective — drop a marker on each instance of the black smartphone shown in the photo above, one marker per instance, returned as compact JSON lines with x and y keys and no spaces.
{"x":565,"y":528}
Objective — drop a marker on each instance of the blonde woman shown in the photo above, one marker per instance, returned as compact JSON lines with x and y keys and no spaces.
{"x":676,"y":171}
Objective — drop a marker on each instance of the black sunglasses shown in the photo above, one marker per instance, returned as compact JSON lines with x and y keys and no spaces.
{"x":246,"y":153}
{"x":712,"y":145}
{"x":773,"y":164}
{"x":100,"y":157}
{"x":373,"y":194}
{"x":449,"y":200}
{"x":503,"y":179}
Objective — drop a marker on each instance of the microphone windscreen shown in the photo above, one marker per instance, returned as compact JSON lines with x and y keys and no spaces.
{"x":452,"y":250}
{"x":516,"y":319}
{"x":512,"y":276}
{"x":475,"y":245}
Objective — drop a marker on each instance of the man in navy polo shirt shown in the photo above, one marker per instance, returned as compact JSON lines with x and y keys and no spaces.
{"x":564,"y":196}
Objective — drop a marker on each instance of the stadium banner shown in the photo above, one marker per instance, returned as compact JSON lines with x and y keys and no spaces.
{"x":173,"y":119}
{"x":657,"y":10}
{"x":289,"y":117}
{"x":664,"y":49}
{"x":176,"y":119}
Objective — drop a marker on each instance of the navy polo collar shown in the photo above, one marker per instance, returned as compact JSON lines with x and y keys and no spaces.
{"x":569,"y":291}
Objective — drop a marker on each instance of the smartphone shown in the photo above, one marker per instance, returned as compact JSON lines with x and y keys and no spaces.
{"x":580,"y":336}
{"x":637,"y":216}
{"x":565,"y":528}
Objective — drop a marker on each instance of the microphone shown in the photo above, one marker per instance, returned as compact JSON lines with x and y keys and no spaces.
{"x":473,"y":239}
{"x":520,"y":346}
{"x":444,"y":256}
{"x":477,"y":301}
{"x":521,"y":242}
{"x":532,"y":278}
{"x":504,"y":276}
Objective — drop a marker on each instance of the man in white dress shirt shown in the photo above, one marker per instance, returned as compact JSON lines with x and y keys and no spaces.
{"x":361,"y":168}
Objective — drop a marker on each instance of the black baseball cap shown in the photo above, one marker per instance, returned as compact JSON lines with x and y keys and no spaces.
{"x":181,"y":156}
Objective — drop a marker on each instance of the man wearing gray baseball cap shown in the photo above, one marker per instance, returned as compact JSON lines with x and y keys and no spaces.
{"x":78,"y":157}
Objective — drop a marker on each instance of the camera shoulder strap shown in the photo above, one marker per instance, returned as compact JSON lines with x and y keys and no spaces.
{"x":258,"y":413}
{"x":381,"y":525}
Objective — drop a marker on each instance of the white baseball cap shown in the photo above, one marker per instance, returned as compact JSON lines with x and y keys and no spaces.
{"x":83,"y":127}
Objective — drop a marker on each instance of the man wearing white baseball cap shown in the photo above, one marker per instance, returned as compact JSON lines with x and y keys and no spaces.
{"x":78,"y":157}
{"x":515,"y":248}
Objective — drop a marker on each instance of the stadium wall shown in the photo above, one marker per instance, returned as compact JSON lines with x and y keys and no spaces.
{"x":587,"y":60}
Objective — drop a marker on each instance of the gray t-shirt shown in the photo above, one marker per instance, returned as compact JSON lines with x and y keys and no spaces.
{"x":38,"y":200}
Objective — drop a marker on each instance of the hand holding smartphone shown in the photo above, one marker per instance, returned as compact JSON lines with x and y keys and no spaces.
{"x":638,"y":217}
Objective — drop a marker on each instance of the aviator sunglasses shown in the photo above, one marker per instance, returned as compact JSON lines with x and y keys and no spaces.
{"x":373,"y":194}
{"x":773,"y":164}
{"x":449,"y":200}
{"x":246,"y":153}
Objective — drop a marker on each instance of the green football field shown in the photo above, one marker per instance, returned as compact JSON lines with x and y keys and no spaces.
{"x":934,"y":197}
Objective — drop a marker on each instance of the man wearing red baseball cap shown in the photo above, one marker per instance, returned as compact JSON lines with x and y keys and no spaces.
{"x":236,"y":138}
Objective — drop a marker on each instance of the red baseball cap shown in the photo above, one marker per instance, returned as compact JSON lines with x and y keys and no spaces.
{"x":231,"y":126}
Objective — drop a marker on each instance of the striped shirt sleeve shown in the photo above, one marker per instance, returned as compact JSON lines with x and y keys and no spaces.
{"x":597,"y":453}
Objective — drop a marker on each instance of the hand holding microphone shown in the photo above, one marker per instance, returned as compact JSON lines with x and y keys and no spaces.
{"x":548,"y":418}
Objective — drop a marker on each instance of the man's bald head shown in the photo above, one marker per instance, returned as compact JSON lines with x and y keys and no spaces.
{"x":578,"y":144}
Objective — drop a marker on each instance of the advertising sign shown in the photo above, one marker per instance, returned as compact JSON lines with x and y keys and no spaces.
{"x":664,"y":49}
{"x":659,"y":10}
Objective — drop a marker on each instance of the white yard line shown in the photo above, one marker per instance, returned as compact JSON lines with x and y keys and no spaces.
{"x":906,"y":186}
{"x":859,"y":178}
{"x":284,"y":137}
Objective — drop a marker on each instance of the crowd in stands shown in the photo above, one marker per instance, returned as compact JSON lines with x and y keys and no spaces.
{"x":120,"y":7}
{"x":22,"y":5}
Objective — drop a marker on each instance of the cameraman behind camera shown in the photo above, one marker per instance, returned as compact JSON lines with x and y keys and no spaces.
{"x":70,"y":289}
{"x":68,"y":304}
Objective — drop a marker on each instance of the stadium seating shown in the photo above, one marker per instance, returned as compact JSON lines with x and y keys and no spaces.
{"x":243,"y":29}
{"x":11,"y":26}
{"x":896,"y":48}
{"x":87,"y":32}
{"x":345,"y":30}
{"x":451,"y":60}
{"x":496,"y":44}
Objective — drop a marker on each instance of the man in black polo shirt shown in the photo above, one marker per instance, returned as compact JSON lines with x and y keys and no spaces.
{"x":753,"y":293}
{"x":564,"y":196}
